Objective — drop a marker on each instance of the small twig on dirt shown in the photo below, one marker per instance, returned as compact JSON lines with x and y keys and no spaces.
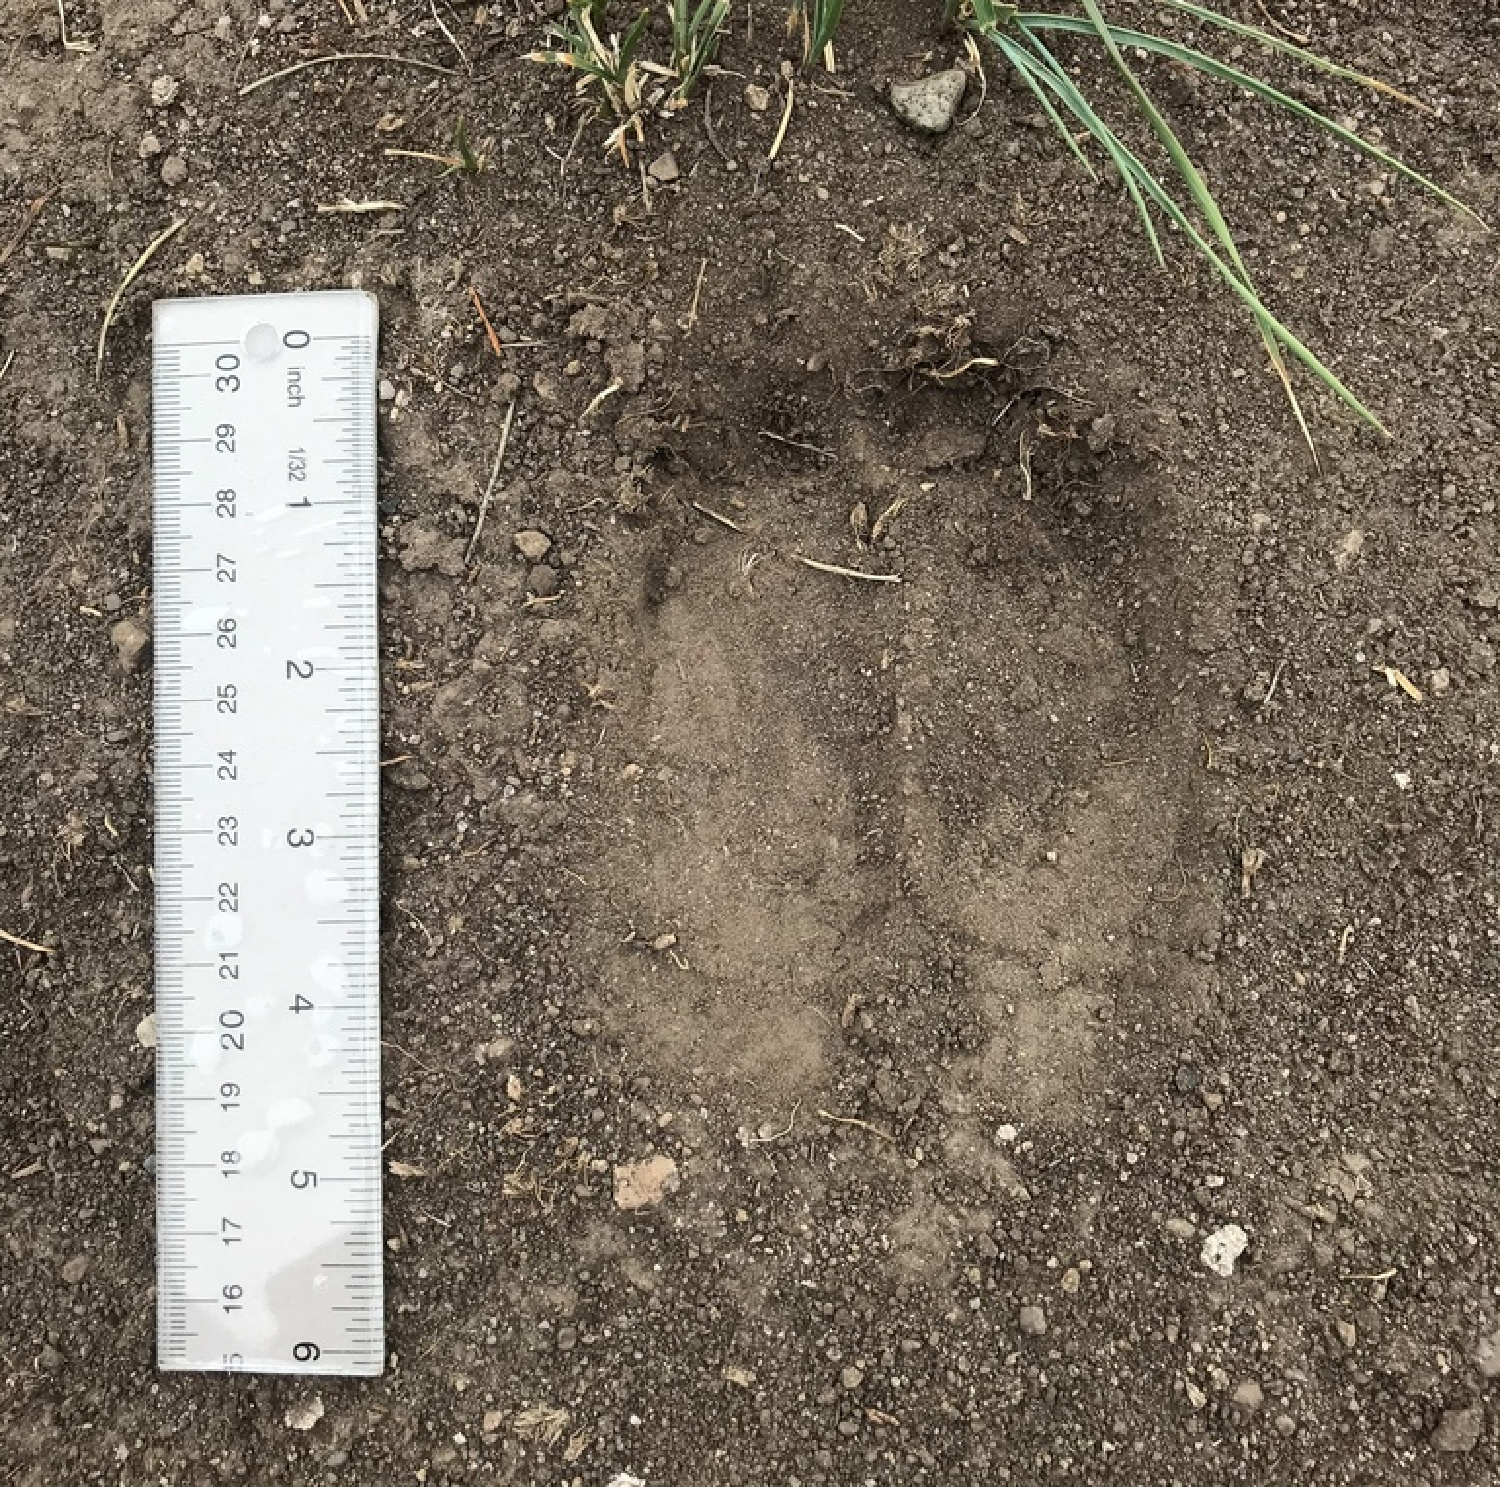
{"x":452,"y":39}
{"x":489,"y":490}
{"x":391,"y":152}
{"x":846,"y":573}
{"x":967,"y":366}
{"x":692,"y":315}
{"x":348,"y":14}
{"x":6,"y":367}
{"x":1275,"y":682}
{"x":827,"y":454}
{"x":600,"y":400}
{"x":361,"y":208}
{"x":398,"y":759}
{"x":976,"y":66}
{"x":484,"y":320}
{"x":1252,"y":859}
{"x":845,"y":227}
{"x":864,"y":1125}
{"x":1344,"y":939}
{"x":26,"y":944}
{"x":1024,"y":456}
{"x":1390,"y":1274}
{"x":883,"y":521}
{"x":758,"y":1140}
{"x":708,"y":125}
{"x":786,"y":118}
{"x":68,"y":44}
{"x":152,"y":248}
{"x":28,"y":221}
{"x":713,"y":515}
{"x":1275,"y":25}
{"x":274,"y":77}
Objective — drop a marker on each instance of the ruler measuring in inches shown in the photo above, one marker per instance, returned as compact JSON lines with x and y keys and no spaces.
{"x":269,"y":1246}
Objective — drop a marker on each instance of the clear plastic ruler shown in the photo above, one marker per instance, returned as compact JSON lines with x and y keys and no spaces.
{"x":269,"y":1249}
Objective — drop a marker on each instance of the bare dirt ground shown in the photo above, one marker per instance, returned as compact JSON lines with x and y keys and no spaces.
{"x":1019,"y":925}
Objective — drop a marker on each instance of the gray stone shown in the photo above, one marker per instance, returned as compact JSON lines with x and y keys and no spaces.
{"x":1487,"y":1355}
{"x":1459,"y":1430}
{"x":174,"y":170}
{"x":543,"y":581}
{"x":532,"y":544}
{"x":1033,"y":1321}
{"x":930,"y":103}
{"x":1248,"y":1396}
{"x":132,"y":643}
{"x":664,"y":170}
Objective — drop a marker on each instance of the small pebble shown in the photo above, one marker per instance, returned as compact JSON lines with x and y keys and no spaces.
{"x":931,"y":103}
{"x":645,"y":1184}
{"x":1223,"y":1248}
{"x":663,"y":170}
{"x":532,"y":544}
{"x":1487,"y":1356}
{"x":1033,"y":1321}
{"x":387,"y":390}
{"x":305,"y":1413}
{"x":132,"y":643}
{"x":163,"y":91}
{"x":851,"y":1377}
{"x":174,"y":170}
{"x":543,"y":581}
{"x":1248,"y":1396}
{"x":757,"y":98}
{"x":1459,"y":1430}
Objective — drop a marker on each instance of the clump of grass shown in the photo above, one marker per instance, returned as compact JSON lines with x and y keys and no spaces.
{"x":818,"y":21}
{"x":1174,"y":193}
{"x":1180,"y":196}
{"x":606,"y":63}
{"x":695,"y":41}
{"x":465,"y":160}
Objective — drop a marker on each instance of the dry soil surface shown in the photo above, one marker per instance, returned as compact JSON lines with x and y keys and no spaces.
{"x":975,"y":946}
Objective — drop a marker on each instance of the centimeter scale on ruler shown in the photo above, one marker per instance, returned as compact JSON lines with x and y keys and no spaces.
{"x":269,"y":1250}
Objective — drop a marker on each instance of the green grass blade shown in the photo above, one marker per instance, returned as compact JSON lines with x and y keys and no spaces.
{"x":1202,"y":62}
{"x":1246,"y":292}
{"x":1009,"y":48}
{"x":1291,"y":49}
{"x":1067,"y":90}
{"x":1204,"y":199}
{"x":1131,"y":165}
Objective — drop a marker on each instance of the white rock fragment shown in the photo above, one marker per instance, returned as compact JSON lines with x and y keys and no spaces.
{"x":645,"y":1184}
{"x":305,"y":1413}
{"x":1223,"y":1248}
{"x":930,"y":103}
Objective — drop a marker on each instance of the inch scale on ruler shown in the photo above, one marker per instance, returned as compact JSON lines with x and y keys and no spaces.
{"x":269,"y":1249}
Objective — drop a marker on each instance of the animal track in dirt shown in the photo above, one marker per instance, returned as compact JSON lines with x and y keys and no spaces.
{"x":929,"y":842}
